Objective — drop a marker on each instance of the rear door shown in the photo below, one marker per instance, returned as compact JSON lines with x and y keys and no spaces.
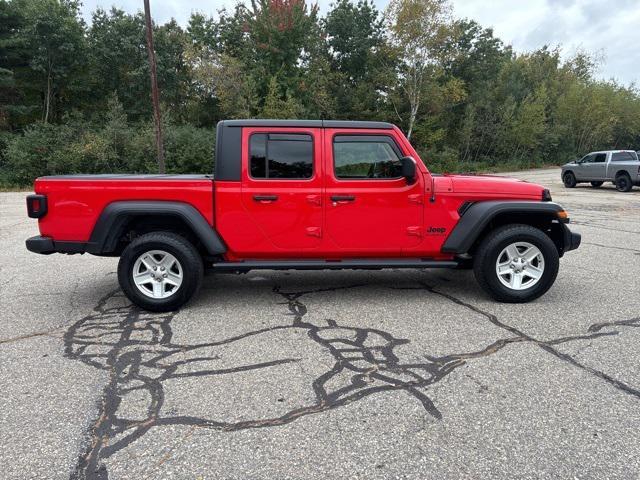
{"x":281,"y":186}
{"x":622,"y":159}
{"x":370,"y":208}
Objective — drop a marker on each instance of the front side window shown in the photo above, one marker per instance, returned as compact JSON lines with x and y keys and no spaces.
{"x":366,"y":157}
{"x":284,"y":156}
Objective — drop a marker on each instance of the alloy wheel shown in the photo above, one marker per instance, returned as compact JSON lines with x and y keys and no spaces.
{"x":157,"y":274}
{"x":520,"y":265}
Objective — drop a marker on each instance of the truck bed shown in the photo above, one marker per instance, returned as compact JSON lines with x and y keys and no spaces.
{"x":74,"y":202}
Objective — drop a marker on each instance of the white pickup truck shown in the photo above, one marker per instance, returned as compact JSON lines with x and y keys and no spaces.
{"x":621,"y":167}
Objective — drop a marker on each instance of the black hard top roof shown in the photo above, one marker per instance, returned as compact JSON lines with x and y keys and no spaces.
{"x":307,"y":123}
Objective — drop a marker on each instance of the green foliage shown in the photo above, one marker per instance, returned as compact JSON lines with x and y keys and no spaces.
{"x":277,"y":107}
{"x":75,"y":98}
{"x":76,"y":146}
{"x":189,"y":149}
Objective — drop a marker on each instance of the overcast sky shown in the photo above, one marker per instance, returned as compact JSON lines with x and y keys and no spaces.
{"x":609,"y":28}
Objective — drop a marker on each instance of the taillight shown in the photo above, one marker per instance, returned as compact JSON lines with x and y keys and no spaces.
{"x":36,"y":206}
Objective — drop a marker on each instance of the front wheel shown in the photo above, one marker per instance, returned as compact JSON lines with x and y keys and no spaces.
{"x":516,"y":263}
{"x":160,"y":271}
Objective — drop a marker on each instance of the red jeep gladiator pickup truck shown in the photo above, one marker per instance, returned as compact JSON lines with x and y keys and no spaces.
{"x":304,"y":194}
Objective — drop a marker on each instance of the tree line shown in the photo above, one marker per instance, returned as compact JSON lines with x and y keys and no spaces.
{"x":75,"y":96}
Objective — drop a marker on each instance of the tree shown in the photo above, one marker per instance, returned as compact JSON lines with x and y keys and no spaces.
{"x":360,"y":58}
{"x":277,"y":107}
{"x":355,"y":33}
{"x":278,"y":32}
{"x":118,"y":62}
{"x":14,"y":56}
{"x":222,"y":81}
{"x":418,"y":29}
{"x":55,"y":31}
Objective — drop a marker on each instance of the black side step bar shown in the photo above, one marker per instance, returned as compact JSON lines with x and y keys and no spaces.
{"x":366,"y":264}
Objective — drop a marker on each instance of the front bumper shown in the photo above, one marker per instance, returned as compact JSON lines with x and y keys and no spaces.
{"x":571,"y":239}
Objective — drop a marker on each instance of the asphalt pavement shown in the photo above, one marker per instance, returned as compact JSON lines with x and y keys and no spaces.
{"x":354,"y":374}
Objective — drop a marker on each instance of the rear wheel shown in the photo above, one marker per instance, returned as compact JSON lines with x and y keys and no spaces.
{"x":160,"y":271}
{"x":569,"y":180}
{"x":516,"y":263}
{"x":623,"y":182}
{"x":597,"y":184}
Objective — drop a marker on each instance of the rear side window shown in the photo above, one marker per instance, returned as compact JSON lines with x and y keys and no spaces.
{"x":275,"y":155}
{"x":624,"y":157}
{"x":365,"y":157}
{"x":600,"y":158}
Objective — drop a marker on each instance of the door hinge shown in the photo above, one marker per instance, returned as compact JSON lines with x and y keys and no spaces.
{"x":414,"y":231}
{"x":314,"y":232}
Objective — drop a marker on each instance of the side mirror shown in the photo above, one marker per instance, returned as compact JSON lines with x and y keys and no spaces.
{"x":408,"y":169}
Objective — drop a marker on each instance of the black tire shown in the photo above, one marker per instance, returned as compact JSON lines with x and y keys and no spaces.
{"x":569,"y":180}
{"x":183,"y":251}
{"x":596,"y":184}
{"x":492,"y":245}
{"x":623,"y":183}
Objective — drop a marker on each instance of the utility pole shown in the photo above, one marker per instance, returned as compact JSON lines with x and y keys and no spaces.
{"x":154,"y":87}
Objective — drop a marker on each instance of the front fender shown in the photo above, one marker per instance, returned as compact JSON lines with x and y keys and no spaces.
{"x":475,"y":218}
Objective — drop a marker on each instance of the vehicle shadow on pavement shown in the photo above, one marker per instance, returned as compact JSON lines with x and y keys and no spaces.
{"x":137,"y":351}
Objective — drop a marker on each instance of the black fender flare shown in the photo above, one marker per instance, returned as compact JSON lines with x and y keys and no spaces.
{"x":108,"y":228}
{"x":477,"y":216}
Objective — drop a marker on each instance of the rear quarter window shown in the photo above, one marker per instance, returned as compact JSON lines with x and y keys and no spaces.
{"x":624,"y":157}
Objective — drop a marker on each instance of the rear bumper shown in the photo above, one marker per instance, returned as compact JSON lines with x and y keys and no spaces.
{"x":39,"y":244}
{"x":571,"y":239}
{"x":46,"y":246}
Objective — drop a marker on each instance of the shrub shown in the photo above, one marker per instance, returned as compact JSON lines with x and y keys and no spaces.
{"x":43,"y":149}
{"x":48,"y":149}
{"x":189,"y":149}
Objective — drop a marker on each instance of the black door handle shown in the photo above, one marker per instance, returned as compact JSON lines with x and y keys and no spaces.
{"x":265,"y":198}
{"x":343,"y":198}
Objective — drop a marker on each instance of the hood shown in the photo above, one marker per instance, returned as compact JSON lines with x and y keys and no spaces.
{"x":494,"y":185}
{"x":572,"y":163}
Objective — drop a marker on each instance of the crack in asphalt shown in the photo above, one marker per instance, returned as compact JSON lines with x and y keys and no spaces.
{"x":548,"y":345}
{"x":604,"y":227}
{"x":28,"y":336}
{"x":632,"y":322}
{"x":612,"y":247}
{"x":137,"y":351}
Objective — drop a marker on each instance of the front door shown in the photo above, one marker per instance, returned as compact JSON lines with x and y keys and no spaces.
{"x":583,"y":168}
{"x":370,"y":209}
{"x":599,"y":167}
{"x":282,"y":187}
{"x":591,"y":167}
